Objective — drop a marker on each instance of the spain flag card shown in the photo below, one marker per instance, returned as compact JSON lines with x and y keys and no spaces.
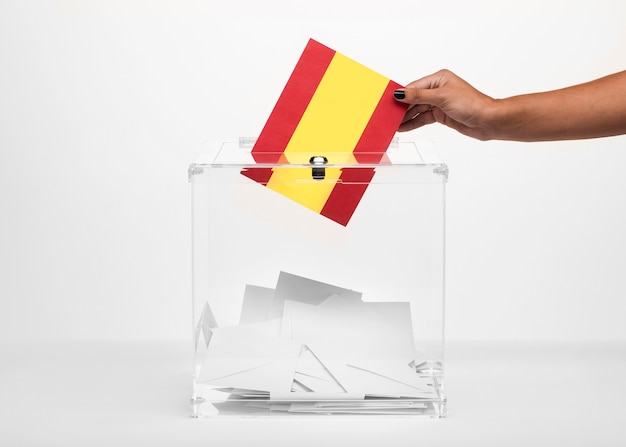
{"x":331,"y":107}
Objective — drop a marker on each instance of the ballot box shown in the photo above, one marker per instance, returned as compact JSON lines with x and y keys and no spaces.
{"x":318,"y":282}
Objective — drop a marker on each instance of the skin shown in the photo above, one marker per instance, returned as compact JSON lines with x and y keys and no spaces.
{"x":590,"y":110}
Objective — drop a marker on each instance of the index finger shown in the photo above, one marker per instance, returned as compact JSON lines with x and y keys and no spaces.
{"x":434,"y":80}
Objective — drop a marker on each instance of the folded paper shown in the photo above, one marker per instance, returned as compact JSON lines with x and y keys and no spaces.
{"x":250,"y":357}
{"x":334,"y":107}
{"x":256,"y":305}
{"x":325,"y":351}
{"x":304,"y":290}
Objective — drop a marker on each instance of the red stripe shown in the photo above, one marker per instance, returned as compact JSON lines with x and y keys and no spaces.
{"x":381,"y":127}
{"x":261,"y":175}
{"x":347,"y":194}
{"x":292,"y":102}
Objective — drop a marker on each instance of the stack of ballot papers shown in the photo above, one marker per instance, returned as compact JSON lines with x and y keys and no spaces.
{"x":311,"y":347}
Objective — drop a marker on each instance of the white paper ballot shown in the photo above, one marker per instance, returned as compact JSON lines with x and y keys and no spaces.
{"x":393,"y":369}
{"x":383,"y":383}
{"x":379,"y":330}
{"x":257,"y":302}
{"x":304,"y":290}
{"x":205,"y":323}
{"x":314,"y":374}
{"x":251,"y":357}
{"x":311,"y":347}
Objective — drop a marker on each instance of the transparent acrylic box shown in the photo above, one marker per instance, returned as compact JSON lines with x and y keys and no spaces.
{"x":295,"y":314}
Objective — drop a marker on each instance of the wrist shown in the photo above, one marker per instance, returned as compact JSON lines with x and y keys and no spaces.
{"x":499,"y":123}
{"x":522,"y":118}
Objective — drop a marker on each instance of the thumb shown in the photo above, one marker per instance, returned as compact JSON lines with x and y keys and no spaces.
{"x":409,"y":95}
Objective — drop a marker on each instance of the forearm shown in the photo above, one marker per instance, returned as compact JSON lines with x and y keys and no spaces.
{"x":593,"y":109}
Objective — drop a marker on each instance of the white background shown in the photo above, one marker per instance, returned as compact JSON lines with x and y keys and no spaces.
{"x":104,"y":103}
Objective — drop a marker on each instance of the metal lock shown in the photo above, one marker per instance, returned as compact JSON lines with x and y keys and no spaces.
{"x":318,"y":172}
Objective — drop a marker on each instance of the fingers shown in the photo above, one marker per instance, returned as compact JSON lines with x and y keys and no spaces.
{"x":413,"y":121}
{"x":444,"y":98}
{"x":426,"y":97}
{"x":419,"y":114}
{"x":415,"y":110}
{"x":431,"y":116}
{"x":409,"y":95}
{"x":428,"y":90}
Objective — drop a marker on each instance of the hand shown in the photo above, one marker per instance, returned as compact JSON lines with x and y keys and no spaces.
{"x":445,"y":98}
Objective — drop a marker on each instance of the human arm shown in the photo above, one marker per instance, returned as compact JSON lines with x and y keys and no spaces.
{"x":589,"y":110}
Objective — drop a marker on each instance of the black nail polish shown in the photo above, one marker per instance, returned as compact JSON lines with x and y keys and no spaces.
{"x":398,"y":94}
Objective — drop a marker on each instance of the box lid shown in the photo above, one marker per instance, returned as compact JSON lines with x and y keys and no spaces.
{"x":237,"y":153}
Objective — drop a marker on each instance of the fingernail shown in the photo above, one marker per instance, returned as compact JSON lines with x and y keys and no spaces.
{"x":398,"y":94}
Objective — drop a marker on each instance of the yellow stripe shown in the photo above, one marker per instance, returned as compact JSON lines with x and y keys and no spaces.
{"x":331,"y":126}
{"x":298,"y":185}
{"x":338,"y":112}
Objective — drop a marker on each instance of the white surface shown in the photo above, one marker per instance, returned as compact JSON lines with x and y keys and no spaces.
{"x":129,"y":394}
